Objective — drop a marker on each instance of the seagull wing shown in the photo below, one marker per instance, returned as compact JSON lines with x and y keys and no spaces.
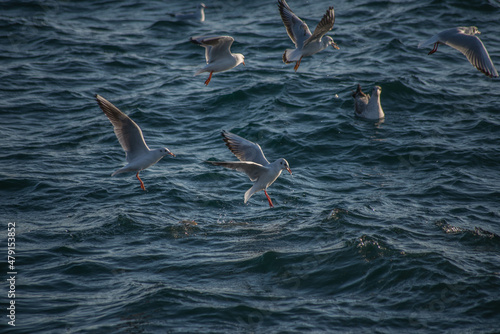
{"x":252,"y":169}
{"x":324,"y":26}
{"x":243,"y":149}
{"x":129,"y":134}
{"x":216,"y":47}
{"x":360,"y":100}
{"x":297,"y":30}
{"x":473,"y":48}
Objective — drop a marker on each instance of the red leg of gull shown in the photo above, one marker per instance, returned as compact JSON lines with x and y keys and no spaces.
{"x":435,"y":48}
{"x":142,"y":183}
{"x":209,"y":78}
{"x":297,"y":64}
{"x":269,"y":199}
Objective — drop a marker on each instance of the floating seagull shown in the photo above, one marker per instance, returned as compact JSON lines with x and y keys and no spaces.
{"x":218,"y":54}
{"x":129,"y":134}
{"x":464,"y":40}
{"x":198,"y":15}
{"x":306,"y":44}
{"x":367,"y":107}
{"x":253,"y":163}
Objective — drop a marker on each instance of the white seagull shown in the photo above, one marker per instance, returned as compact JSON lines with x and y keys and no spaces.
{"x":129,"y":134}
{"x":464,"y":40}
{"x":198,"y":15}
{"x":218,"y":54}
{"x":306,"y":44}
{"x":367,"y":107}
{"x":253,"y":163}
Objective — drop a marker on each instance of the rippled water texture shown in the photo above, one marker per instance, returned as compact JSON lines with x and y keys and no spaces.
{"x":387,"y":227}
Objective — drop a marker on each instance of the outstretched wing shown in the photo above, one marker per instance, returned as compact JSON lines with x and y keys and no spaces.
{"x":297,"y":30}
{"x":324,"y":26}
{"x":473,"y":48}
{"x":252,"y":169}
{"x":129,"y":134}
{"x":215,"y":46}
{"x":243,"y":149}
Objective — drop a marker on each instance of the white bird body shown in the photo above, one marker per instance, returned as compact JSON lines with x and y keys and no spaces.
{"x":198,"y":15}
{"x":218,"y":54}
{"x":464,"y":39}
{"x":366,"y":106}
{"x":138,"y":155}
{"x":306,"y":44}
{"x":253,"y":163}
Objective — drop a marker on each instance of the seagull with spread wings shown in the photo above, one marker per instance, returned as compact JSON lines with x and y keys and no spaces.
{"x":139,"y":156}
{"x":218,"y":54}
{"x":306,"y":44}
{"x":464,"y":39}
{"x":252,"y":162}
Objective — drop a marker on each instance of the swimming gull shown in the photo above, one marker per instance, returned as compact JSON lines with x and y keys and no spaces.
{"x":253,"y":163}
{"x":218,"y":54}
{"x":464,"y":40}
{"x":306,"y":44}
{"x":139,"y":156}
{"x":367,"y":107}
{"x":198,"y":15}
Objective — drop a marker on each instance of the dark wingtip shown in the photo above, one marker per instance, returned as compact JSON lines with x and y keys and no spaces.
{"x":358,"y":91}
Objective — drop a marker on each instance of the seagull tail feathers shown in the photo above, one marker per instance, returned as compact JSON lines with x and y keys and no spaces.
{"x":287,"y":56}
{"x":249,"y":194}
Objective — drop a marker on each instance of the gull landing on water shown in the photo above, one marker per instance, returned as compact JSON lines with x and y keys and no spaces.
{"x":464,"y":40}
{"x":218,"y":54}
{"x":129,"y":134}
{"x":306,"y":44}
{"x":367,"y":107}
{"x":253,"y":163}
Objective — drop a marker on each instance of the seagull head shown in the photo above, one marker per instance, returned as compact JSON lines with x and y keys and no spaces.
{"x":165,"y":151}
{"x":284,"y":165}
{"x":469,"y":30}
{"x":329,"y":41}
{"x":240,"y":59}
{"x":377,"y":90}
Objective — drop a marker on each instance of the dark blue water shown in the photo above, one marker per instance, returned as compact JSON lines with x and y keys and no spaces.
{"x":387,"y":227}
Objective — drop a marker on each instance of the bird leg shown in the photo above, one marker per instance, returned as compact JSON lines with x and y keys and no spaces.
{"x":142,"y":183}
{"x":297,"y":64}
{"x":269,"y":199}
{"x":435,"y":48}
{"x":209,"y":78}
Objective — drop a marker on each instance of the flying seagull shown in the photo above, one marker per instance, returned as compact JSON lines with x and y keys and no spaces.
{"x":306,"y":44}
{"x":253,"y":163}
{"x":218,"y":54}
{"x":139,"y":156}
{"x":464,"y":39}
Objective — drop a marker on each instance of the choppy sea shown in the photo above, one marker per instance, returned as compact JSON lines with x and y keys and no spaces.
{"x":384,"y":227}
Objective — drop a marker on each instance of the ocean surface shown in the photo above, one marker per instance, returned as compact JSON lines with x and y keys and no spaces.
{"x":384,"y":227}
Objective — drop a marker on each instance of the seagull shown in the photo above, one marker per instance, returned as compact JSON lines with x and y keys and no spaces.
{"x":464,"y":40}
{"x":129,"y":134}
{"x":253,"y":163}
{"x":306,"y":44}
{"x":198,"y":15}
{"x":218,"y":54}
{"x":367,"y":107}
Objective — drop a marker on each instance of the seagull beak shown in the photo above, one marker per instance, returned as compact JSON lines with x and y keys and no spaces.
{"x":335,"y":46}
{"x":289,"y":170}
{"x":243,"y":63}
{"x":171,"y":154}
